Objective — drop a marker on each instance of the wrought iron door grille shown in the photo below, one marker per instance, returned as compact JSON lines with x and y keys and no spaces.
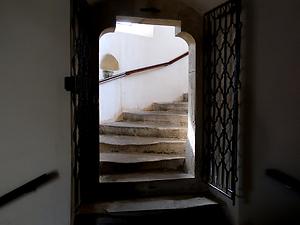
{"x":222,"y":37}
{"x":79,"y":69}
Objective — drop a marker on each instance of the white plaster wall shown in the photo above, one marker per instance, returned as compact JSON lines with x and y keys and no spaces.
{"x":110,"y":105}
{"x":35,"y":109}
{"x":138,"y":91}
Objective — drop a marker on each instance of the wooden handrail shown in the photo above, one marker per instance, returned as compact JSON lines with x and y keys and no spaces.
{"x":28,"y":187}
{"x":130,"y":72}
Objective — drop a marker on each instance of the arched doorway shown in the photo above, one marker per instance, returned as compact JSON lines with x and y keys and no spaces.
{"x":161,"y":88}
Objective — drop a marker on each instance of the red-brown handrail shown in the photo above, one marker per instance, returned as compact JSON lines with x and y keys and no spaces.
{"x":130,"y":72}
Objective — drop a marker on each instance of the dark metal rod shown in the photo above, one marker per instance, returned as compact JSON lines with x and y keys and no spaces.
{"x":28,"y":187}
{"x":214,"y":99}
{"x":236,"y":101}
{"x":143,"y":69}
{"x":146,"y":68}
{"x":220,"y":190}
{"x":207,"y":103}
{"x":157,"y":65}
{"x":285,"y":179}
{"x":224,"y":74}
{"x":112,"y":78}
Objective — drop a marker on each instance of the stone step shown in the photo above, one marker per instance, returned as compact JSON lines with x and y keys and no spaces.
{"x":143,"y":129}
{"x":150,"y":204}
{"x":171,"y":107}
{"x":173,"y":118}
{"x":144,"y":177}
{"x":174,"y":209}
{"x":163,"y":209}
{"x":116,"y":163}
{"x":119,"y":143}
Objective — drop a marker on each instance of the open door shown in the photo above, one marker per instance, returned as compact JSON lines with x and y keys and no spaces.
{"x":83,"y":86}
{"x":222,"y":33}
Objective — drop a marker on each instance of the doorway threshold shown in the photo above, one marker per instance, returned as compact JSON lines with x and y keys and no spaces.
{"x":147,"y":204}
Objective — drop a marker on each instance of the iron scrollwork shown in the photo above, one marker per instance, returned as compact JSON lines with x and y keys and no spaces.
{"x":79,"y":70}
{"x":222,"y":33}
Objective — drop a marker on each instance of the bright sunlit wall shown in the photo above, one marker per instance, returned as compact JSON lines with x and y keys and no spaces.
{"x":135,"y":51}
{"x":145,"y":30}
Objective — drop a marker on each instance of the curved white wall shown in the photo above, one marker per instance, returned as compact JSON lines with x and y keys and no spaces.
{"x":138,"y":91}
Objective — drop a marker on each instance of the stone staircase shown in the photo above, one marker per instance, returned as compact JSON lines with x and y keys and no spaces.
{"x":145,"y":145}
{"x":149,"y":146}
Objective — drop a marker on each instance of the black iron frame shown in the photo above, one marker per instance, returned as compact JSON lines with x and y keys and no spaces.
{"x":222,"y":40}
{"x":222,"y":52}
{"x":83,"y":85}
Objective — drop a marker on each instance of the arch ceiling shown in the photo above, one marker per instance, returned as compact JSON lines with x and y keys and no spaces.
{"x":199,"y":5}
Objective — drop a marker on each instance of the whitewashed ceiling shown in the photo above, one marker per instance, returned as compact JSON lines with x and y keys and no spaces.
{"x":199,"y":5}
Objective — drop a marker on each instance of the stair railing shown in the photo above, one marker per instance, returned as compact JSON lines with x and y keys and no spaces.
{"x":288,"y":181}
{"x":130,"y":72}
{"x":27,"y":187}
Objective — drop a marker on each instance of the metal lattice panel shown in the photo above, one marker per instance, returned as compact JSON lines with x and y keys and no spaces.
{"x":79,"y":69}
{"x":222,"y":32}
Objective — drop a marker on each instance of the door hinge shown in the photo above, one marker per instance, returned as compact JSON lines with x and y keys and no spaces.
{"x":75,"y":84}
{"x":70,"y":84}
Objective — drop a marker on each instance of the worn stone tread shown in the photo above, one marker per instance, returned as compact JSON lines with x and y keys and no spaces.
{"x":139,"y":144}
{"x":181,"y":107}
{"x":142,"y":124}
{"x":158,"y":113}
{"x":144,"y":129}
{"x":147,"y":204}
{"x":171,"y":117}
{"x":144,"y":177}
{"x":137,"y":157}
{"x":136,"y":140}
